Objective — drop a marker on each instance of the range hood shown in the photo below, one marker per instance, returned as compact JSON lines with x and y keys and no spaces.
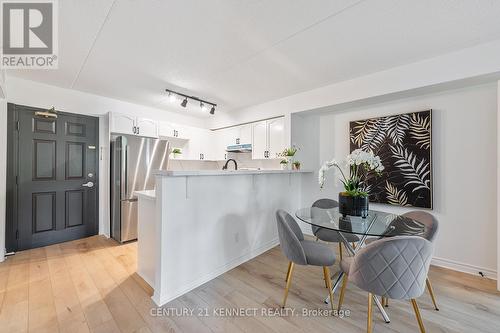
{"x":244,"y":148}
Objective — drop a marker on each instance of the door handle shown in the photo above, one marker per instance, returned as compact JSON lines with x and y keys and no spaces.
{"x":89,"y":184}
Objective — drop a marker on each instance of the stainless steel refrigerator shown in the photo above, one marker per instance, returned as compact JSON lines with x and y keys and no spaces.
{"x":133,"y":161}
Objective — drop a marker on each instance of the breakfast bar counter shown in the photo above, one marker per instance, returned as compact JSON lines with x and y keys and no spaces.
{"x":200,"y":224}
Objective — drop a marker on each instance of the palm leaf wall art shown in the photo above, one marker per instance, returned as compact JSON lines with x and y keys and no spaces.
{"x":404,"y":143}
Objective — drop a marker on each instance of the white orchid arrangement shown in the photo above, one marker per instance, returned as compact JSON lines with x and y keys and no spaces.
{"x":360,"y":163}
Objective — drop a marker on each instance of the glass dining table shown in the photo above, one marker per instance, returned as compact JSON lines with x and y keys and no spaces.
{"x":376,"y":224}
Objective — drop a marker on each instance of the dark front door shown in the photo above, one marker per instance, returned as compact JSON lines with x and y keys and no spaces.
{"x":57,"y":177}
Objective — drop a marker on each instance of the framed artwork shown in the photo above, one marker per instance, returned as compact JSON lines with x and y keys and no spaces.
{"x":404,"y":144}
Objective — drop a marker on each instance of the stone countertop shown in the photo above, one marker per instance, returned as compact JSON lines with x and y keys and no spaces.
{"x":225,"y":172}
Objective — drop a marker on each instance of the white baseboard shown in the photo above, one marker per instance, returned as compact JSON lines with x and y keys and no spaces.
{"x":165,"y":298}
{"x":442,"y":262}
{"x":463,"y":267}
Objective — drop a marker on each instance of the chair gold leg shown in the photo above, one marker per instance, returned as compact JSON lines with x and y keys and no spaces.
{"x":417,"y":314}
{"x":353,"y":245}
{"x":340,"y":250}
{"x":326,"y":273}
{"x":288,"y":271}
{"x":342,"y":291}
{"x":288,"y":282}
{"x":385,"y":302}
{"x":369,"y":322}
{"x":431,"y":291}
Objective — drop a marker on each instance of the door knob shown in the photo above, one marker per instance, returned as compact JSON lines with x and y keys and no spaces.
{"x":89,"y":184}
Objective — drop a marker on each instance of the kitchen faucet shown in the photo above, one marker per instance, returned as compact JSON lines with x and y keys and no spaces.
{"x":227,"y":162}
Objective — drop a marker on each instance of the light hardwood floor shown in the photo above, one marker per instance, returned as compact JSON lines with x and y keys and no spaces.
{"x":90,"y":285}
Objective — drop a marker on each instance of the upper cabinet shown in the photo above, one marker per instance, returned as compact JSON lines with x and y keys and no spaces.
{"x":147,"y":127}
{"x":268,"y":138}
{"x":243,"y":134}
{"x":169,"y":130}
{"x":259,"y":143}
{"x":125,"y":124}
{"x":275,"y":137}
{"x":121,"y":123}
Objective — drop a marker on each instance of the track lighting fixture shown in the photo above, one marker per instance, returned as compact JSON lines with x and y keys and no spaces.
{"x":173,"y":95}
{"x":184,"y":102}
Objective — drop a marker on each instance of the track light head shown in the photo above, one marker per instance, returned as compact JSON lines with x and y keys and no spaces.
{"x":203,"y":107}
{"x":184,"y":102}
{"x":212,"y":110}
{"x":171,"y":97}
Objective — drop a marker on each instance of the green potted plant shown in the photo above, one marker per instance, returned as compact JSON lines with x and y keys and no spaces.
{"x":296,"y":165}
{"x":289,"y":153}
{"x":176,"y":152}
{"x":354,"y":200}
{"x":284,"y":164}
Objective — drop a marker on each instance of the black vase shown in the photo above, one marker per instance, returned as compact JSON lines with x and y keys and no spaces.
{"x":353,"y":206}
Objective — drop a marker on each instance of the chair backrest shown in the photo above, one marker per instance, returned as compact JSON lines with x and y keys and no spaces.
{"x":429,"y":220}
{"x":290,"y":237}
{"x":394,"y":267}
{"x":324,"y":204}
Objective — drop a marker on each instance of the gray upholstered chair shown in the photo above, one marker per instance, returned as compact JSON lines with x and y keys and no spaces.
{"x":301,"y":251}
{"x":432,"y":227}
{"x":431,"y":231}
{"x":393,"y":267}
{"x":328,"y":235}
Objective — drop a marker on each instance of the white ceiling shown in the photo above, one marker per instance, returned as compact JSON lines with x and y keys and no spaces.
{"x":241,"y":53}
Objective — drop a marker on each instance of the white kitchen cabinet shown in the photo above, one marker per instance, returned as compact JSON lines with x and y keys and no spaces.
{"x":200,"y":145}
{"x":268,"y":138}
{"x":244,"y":134}
{"x":219,"y":140}
{"x":275,"y":137}
{"x":259,"y":143}
{"x":170,"y":130}
{"x":146,"y":127}
{"x":125,"y":124}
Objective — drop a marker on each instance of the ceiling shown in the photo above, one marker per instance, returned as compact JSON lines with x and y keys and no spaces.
{"x":242,"y":53}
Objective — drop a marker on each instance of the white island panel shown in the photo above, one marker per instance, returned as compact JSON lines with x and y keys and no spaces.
{"x":207,"y":224}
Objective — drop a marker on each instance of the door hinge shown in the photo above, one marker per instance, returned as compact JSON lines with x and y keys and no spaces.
{"x":17,"y":180}
{"x":17,"y":125}
{"x":17,"y":234}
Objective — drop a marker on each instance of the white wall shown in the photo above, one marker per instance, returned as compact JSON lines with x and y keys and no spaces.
{"x":36,"y":94}
{"x":464,"y":163}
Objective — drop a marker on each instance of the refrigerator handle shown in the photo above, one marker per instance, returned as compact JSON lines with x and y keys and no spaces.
{"x":125,"y":161}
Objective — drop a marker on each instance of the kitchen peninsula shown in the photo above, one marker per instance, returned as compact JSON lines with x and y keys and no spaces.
{"x":200,"y":224}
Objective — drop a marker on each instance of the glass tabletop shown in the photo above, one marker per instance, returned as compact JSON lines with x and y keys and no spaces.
{"x":377,"y":223}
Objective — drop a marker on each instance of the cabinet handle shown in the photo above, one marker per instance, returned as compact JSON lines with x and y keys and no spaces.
{"x":137,"y":130}
{"x":134,"y":129}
